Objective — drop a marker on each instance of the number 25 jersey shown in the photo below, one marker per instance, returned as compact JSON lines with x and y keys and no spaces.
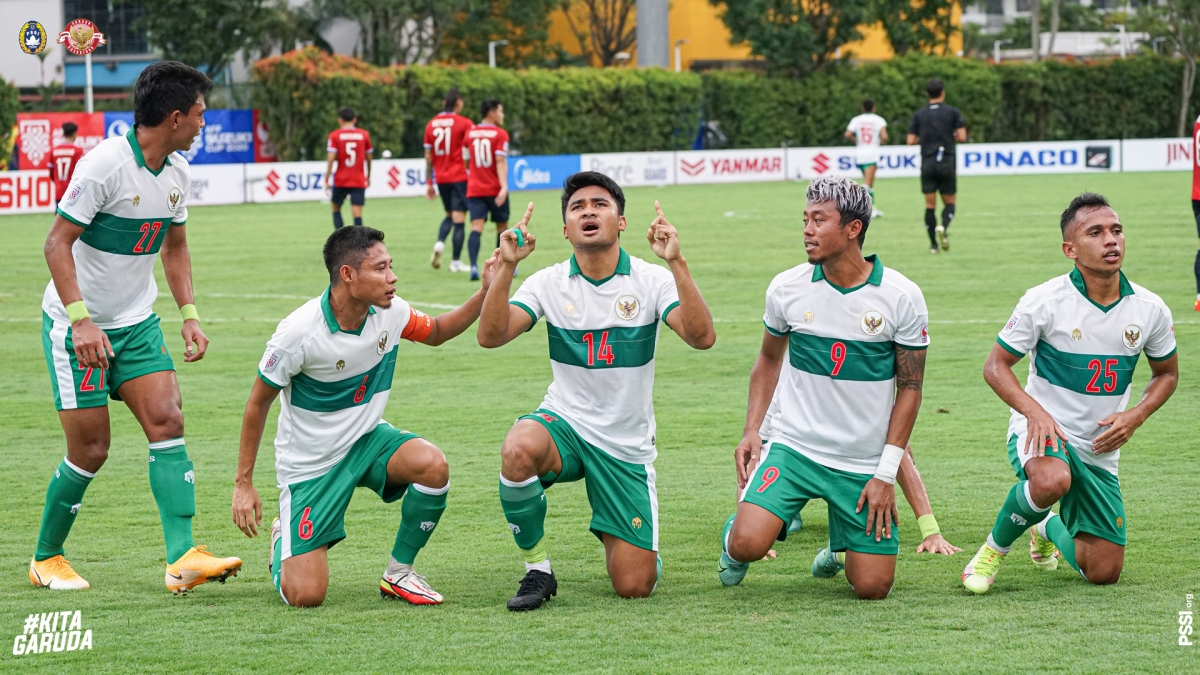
{"x":602,"y":337}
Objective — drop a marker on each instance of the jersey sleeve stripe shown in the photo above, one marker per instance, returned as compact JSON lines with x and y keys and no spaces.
{"x":911,"y":348}
{"x":531,"y":313}
{"x":772,"y":331}
{"x":1164,"y":357}
{"x":64,"y":214}
{"x":268,"y":382}
{"x":1009,"y":349}
{"x":667,"y":311}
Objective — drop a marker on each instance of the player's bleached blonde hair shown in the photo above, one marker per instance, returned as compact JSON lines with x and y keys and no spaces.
{"x":853,"y":200}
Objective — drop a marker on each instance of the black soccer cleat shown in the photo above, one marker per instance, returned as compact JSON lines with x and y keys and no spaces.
{"x":536,"y":587}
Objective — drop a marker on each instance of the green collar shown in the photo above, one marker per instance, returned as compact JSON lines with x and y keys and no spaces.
{"x":131,"y":136}
{"x":331,"y":320}
{"x":875,"y":279}
{"x":622,"y":268}
{"x":1077,"y":282}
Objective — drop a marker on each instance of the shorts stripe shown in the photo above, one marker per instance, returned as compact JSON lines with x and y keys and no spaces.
{"x":285,"y":522}
{"x":652,"y":488}
{"x":762,"y":458}
{"x":63,"y":373}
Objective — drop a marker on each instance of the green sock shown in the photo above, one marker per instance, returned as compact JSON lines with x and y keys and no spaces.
{"x":1056,"y":531}
{"x":1016,"y":516}
{"x":173,"y":483}
{"x":419,"y":513}
{"x":525,"y":508}
{"x":63,"y":499}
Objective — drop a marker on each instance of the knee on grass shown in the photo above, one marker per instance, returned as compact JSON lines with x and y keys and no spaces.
{"x":304,"y":595}
{"x":744,"y":548}
{"x":630,"y":586}
{"x":1101,"y":573}
{"x":873,"y":589}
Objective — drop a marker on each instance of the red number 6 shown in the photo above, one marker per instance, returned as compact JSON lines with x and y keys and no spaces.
{"x":361,"y":391}
{"x":306,"y":525}
{"x":770,"y":475}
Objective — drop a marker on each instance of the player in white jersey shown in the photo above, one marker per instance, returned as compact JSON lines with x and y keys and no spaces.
{"x":126,"y":203}
{"x":1083,"y":332}
{"x":333,"y":359}
{"x":602,"y":308}
{"x":868,"y":131}
{"x":855,"y":334}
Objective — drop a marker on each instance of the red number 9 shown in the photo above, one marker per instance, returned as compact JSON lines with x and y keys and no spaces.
{"x":770,"y":475}
{"x":838,"y":354}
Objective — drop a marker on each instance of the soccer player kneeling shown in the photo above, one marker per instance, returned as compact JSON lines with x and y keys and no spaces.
{"x":854,"y":333}
{"x":333,"y":359}
{"x":602,"y":309}
{"x":1083,"y":332}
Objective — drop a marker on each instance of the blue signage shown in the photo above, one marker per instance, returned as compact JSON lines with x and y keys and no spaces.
{"x":227,"y":138}
{"x":540,"y":172}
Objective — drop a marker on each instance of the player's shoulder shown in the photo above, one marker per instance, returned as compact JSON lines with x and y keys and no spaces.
{"x":1049,"y":291}
{"x":878,"y":119}
{"x":107,"y":158}
{"x":895,"y":281}
{"x":304,"y":323}
{"x":643,"y":268}
{"x":1148,"y":298}
{"x":555,"y":273}
{"x":180,"y":163}
{"x":790,"y":279}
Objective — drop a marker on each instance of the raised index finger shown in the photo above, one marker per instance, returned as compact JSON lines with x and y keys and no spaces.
{"x":528,"y":214}
{"x":659,"y":209}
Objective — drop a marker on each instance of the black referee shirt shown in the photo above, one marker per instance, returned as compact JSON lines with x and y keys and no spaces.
{"x":935,"y":125}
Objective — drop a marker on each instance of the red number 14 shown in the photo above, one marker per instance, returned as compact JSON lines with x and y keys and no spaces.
{"x":605,"y":354}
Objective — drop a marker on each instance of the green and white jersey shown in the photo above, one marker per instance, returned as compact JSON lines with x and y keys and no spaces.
{"x":125,"y":210}
{"x":602,"y":337}
{"x":335,"y":383}
{"x":1082,"y":355}
{"x":838,"y":382}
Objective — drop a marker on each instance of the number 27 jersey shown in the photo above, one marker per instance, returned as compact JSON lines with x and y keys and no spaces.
{"x":602,"y":337}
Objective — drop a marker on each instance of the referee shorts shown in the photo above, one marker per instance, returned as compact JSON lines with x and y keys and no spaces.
{"x":939,"y":177}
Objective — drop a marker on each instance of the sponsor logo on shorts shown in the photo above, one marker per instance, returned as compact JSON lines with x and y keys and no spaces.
{"x":1132,"y":336}
{"x":637,"y":523}
{"x":1120,"y":522}
{"x":628,"y":307}
{"x":548,"y":418}
{"x":53,"y":632}
{"x":190,"y":477}
{"x":872,"y":323}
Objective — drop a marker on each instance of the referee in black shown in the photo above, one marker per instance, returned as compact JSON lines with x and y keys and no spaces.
{"x":937,"y":127}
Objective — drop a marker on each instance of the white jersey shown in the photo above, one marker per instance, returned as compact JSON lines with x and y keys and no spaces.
{"x":1082,"y":355}
{"x":602,"y":337}
{"x":125,"y":210}
{"x":335,"y":383}
{"x":835,"y":403}
{"x":867,"y":128}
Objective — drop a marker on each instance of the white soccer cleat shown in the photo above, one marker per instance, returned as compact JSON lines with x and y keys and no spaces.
{"x":56,"y":574}
{"x":436,"y":259}
{"x":457,"y":266}
{"x":409,"y":586}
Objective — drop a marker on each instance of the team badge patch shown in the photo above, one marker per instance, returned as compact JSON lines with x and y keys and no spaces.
{"x":925,"y":334}
{"x":808,"y":317}
{"x":628,"y":307}
{"x":272,"y":361}
{"x":137,"y":200}
{"x":637,"y":523}
{"x":173,"y":198}
{"x":74,"y":194}
{"x":872,"y":323}
{"x":569,"y":309}
{"x":340,"y":364}
{"x":383,"y":341}
{"x":1077,"y":335}
{"x":1011,"y":325}
{"x":33,"y":37}
{"x":1132,"y":336}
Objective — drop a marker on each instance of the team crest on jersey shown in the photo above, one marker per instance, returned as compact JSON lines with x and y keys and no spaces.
{"x":173,"y":198}
{"x":808,"y":317}
{"x":137,"y":200}
{"x":33,"y":37}
{"x":872,"y":323}
{"x":340,"y":364}
{"x":628,"y":307}
{"x":1132,"y":336}
{"x":383,"y":341}
{"x":1077,"y":335}
{"x":569,"y":309}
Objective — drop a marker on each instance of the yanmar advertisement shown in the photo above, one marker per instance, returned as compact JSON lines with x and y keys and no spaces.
{"x":730,"y":166}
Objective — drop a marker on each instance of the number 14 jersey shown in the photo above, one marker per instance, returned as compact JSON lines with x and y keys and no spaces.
{"x":602,"y":337}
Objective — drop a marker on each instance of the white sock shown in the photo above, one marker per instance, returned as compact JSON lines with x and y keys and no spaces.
{"x":1003,"y":550}
{"x":1041,"y":527}
{"x":396,"y":569}
{"x":543,"y":566}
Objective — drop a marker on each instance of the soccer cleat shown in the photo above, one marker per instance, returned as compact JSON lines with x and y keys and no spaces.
{"x":826,"y":564}
{"x":198,"y":566}
{"x":474,"y":273}
{"x":876,"y":213}
{"x":536,"y":587}
{"x":934,"y":250}
{"x":943,"y":237}
{"x":457,"y":266}
{"x":409,"y":586}
{"x":436,"y":259}
{"x":731,"y":571}
{"x":1197,"y":306}
{"x":1042,"y":552}
{"x":796,"y":525}
{"x":980,"y":573}
{"x":56,"y":574}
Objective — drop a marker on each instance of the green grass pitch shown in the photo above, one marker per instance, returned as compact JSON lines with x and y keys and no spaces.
{"x":256,"y":263}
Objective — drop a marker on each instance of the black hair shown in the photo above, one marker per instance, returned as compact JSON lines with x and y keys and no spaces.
{"x":488,"y":105}
{"x":70,"y":128}
{"x":348,"y":246}
{"x":347,"y":114}
{"x":868,"y":105}
{"x":577,"y":181}
{"x":935,"y":87}
{"x":452,"y":98}
{"x":1087,"y":200}
{"x":164,"y":87}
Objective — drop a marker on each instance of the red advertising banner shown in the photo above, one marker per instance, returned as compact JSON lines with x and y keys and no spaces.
{"x":264,"y":149}
{"x":26,"y":192}
{"x":38,"y":133}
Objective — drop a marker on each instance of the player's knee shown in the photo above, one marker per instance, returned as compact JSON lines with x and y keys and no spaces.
{"x":437,"y":472}
{"x":92,"y":454}
{"x":745,"y":549}
{"x":634,"y":586}
{"x":1049,"y":486}
{"x":873,"y":589}
{"x":517,"y":461}
{"x":303,"y":595}
{"x":167,"y":421}
{"x":1102,"y":573}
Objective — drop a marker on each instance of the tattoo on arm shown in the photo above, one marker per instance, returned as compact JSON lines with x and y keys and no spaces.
{"x":910,"y":368}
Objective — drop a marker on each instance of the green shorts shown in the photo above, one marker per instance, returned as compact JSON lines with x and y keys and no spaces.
{"x":314,"y":510}
{"x":139,"y":350}
{"x":786,"y":480}
{"x":1093,"y":505}
{"x":623,"y":496}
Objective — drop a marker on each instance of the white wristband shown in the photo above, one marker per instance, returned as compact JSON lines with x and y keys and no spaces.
{"x":889,"y":463}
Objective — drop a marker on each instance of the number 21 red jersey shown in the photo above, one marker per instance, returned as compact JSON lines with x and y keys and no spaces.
{"x":483,"y":144}
{"x":444,"y":136}
{"x":352,"y":146}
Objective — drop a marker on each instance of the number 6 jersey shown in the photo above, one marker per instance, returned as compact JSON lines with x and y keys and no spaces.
{"x":838,"y":379}
{"x":1082,"y":355}
{"x":602,"y":337}
{"x":125,"y":209}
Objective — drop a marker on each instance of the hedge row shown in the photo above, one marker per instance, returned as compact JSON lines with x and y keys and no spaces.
{"x":574,"y":110}
{"x":9,"y":105}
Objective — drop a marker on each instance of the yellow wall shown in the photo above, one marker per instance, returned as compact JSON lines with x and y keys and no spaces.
{"x":698,"y":22}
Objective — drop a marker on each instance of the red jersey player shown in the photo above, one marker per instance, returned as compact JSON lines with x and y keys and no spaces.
{"x":63,"y":159}
{"x":486,"y":151}
{"x":1196,"y":201}
{"x":444,"y":162}
{"x":351,"y":148}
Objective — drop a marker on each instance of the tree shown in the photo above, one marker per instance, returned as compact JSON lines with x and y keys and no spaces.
{"x":924,"y":26}
{"x":1179,"y":22}
{"x":610,"y":27}
{"x":206,"y":34}
{"x":795,"y":36}
{"x":524,"y":23}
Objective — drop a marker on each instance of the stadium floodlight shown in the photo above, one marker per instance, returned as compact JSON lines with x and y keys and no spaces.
{"x":679,"y":55}
{"x":492,"y":51}
{"x":996,"y":49}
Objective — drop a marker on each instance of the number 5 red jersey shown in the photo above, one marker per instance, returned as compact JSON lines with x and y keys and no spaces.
{"x":444,"y":136}
{"x":352,"y":146}
{"x":484,"y":143}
